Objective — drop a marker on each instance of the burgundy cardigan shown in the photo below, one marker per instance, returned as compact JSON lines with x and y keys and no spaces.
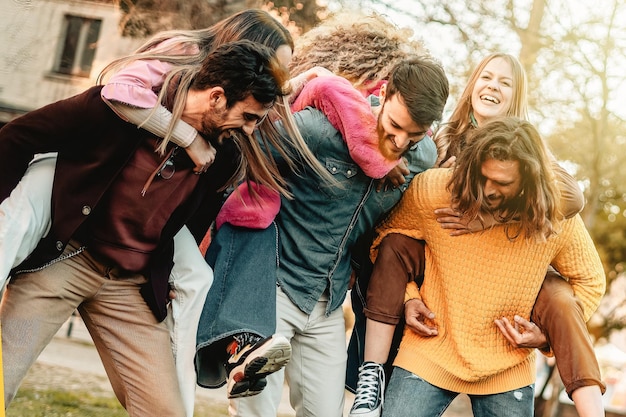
{"x":93,"y":145}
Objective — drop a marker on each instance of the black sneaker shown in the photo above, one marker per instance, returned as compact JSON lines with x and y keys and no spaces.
{"x":248,"y":366}
{"x":369,"y":398}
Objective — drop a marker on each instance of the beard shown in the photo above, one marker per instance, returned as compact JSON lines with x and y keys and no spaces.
{"x":495,"y":202}
{"x":217,"y":138}
{"x":508,"y":208}
{"x":384,"y":142}
{"x":211,"y":125}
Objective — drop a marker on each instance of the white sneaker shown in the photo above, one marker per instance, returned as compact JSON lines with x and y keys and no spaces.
{"x":251,"y":363}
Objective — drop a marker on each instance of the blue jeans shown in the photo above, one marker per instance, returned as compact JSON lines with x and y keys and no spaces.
{"x":241,"y":299}
{"x":408,"y":395}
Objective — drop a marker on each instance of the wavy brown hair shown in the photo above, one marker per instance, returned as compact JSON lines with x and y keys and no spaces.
{"x":535,"y":212}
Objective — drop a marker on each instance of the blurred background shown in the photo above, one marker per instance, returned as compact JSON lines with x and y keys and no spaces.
{"x":574,"y":52}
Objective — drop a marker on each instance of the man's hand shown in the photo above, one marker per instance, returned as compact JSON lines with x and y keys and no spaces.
{"x":419,"y":318}
{"x":395,"y":177}
{"x":202,"y":153}
{"x":450,"y":218}
{"x":523,"y":334}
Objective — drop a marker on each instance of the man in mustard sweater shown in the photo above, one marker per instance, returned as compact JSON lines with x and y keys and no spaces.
{"x":452,"y":344}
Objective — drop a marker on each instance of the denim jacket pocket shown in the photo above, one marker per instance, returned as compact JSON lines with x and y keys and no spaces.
{"x":342,"y":172}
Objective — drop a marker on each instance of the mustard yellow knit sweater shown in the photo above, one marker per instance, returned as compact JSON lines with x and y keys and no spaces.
{"x":472,"y":280}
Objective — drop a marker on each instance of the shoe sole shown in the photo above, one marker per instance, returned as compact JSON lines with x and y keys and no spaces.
{"x":375,"y":413}
{"x":264,"y":362}
{"x":247,"y":388}
{"x":273,"y":359}
{"x":370,"y":413}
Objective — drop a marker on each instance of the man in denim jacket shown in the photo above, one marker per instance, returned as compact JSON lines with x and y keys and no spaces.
{"x":319,"y":226}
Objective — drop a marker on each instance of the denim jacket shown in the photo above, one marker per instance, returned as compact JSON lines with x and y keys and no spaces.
{"x":320,"y":225}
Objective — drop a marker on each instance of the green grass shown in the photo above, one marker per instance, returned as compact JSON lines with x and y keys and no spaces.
{"x":53,"y":403}
{"x":57,"y":403}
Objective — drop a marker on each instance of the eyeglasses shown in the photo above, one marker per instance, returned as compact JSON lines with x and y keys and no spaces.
{"x":168,"y":168}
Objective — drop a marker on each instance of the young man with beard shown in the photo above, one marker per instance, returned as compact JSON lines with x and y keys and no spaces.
{"x":117,"y":204}
{"x":318,"y":228}
{"x":476,"y":285}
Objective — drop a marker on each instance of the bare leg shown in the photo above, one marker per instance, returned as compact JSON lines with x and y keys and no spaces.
{"x":378,"y":337}
{"x":400,"y":260}
{"x":588,"y":401}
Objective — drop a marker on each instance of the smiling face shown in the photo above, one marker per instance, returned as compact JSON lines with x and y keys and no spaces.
{"x":493,"y":91}
{"x":397,"y":132}
{"x":502,"y":182}
{"x":206,"y":109}
{"x":244,"y":115}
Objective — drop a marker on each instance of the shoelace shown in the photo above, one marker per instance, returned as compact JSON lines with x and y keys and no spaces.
{"x":368,"y":386}
{"x":244,"y":339}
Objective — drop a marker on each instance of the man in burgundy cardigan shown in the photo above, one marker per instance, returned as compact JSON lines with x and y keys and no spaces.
{"x":116,"y":205}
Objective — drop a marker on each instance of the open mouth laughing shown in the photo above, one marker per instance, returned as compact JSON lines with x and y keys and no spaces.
{"x":491,"y":99}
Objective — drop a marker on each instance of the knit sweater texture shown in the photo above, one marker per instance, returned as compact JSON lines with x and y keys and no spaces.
{"x":473,"y":279}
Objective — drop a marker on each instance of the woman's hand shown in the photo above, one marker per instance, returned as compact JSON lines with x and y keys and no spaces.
{"x":450,"y":218}
{"x":298,"y":82}
{"x":419,"y":318}
{"x":449,"y":163}
{"x":202,"y":153}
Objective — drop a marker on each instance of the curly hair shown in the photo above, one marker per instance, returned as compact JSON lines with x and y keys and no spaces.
{"x":361,"y":48}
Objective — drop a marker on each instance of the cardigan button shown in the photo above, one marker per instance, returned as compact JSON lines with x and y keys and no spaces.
{"x":86,"y":210}
{"x":59,"y":245}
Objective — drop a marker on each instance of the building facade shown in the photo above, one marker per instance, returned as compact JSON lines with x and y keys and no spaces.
{"x":53,"y":49}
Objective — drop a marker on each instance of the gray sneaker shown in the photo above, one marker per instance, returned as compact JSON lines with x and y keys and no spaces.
{"x":370,"y":391}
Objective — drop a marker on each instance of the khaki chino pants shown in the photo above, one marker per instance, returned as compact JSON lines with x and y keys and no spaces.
{"x":135,"y":349}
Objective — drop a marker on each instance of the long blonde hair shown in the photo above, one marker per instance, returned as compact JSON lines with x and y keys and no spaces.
{"x":186,"y":50}
{"x":451,"y":136}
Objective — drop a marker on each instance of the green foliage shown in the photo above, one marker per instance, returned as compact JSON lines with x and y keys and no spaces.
{"x":600,"y":161}
{"x":574,"y":53}
{"x":609,"y":231}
